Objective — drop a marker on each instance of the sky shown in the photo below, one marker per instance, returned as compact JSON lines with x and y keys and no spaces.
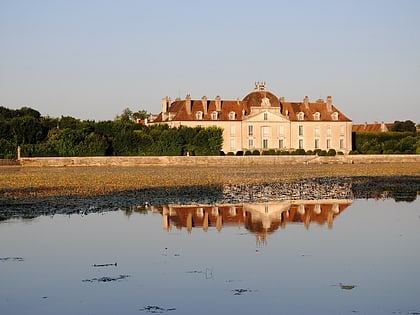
{"x":91,"y":59}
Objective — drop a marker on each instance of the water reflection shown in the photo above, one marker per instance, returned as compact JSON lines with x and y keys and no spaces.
{"x":261,"y":219}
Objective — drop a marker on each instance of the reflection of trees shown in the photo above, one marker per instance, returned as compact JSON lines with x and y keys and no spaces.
{"x":403,"y":188}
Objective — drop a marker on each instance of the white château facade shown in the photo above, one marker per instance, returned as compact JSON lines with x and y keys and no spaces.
{"x":262,"y":121}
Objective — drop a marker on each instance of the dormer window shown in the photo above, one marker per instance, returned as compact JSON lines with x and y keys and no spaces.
{"x":232,"y":116}
{"x":214,"y":115}
{"x":334,"y":116}
{"x":317,"y":116}
{"x":301,"y":115}
{"x":199,"y":115}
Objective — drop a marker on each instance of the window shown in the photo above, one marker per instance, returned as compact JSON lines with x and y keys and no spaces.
{"x":265,"y":143}
{"x":300,"y":143}
{"x":342,"y":130}
{"x":214,"y":115}
{"x":301,"y":116}
{"x":281,"y":144}
{"x":328,"y":143}
{"x":328,"y":131}
{"x":232,"y":144}
{"x":281,"y":131}
{"x":232,"y":116}
{"x":317,"y":131}
{"x":265,"y":116}
{"x":300,"y":130}
{"x":265,"y":131}
{"x":317,"y":116}
{"x":316,"y":143}
{"x":334,"y":116}
{"x":341,"y":143}
{"x":250,"y":130}
{"x":251,"y":143}
{"x":199,"y":115}
{"x":232,"y":130}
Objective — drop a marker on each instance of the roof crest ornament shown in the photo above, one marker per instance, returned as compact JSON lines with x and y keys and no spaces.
{"x":259,"y":86}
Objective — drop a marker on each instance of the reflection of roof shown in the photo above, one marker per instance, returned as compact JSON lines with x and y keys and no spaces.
{"x":260,"y":219}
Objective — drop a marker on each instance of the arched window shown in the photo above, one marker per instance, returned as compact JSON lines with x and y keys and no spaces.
{"x":334,"y":116}
{"x":301,"y":115}
{"x":199,"y":115}
{"x":214,"y":115}
{"x":232,"y":115}
{"x":317,"y":116}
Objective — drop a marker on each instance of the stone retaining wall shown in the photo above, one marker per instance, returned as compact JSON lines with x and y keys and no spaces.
{"x":212,"y":160}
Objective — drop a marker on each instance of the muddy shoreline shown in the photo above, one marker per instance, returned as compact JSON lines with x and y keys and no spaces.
{"x":399,"y":188}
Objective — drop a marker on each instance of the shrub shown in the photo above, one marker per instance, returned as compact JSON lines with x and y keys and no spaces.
{"x":331,"y":152}
{"x":298,"y":152}
{"x":247,"y":152}
{"x":230,"y":153}
{"x":239,"y":153}
{"x":269,"y":152}
{"x":255,"y":152}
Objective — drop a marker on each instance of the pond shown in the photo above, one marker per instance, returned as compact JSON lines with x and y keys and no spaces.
{"x":307,"y":256}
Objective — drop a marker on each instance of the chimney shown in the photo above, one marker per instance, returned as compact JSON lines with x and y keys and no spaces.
{"x":329,"y":104}
{"x":204,"y":102}
{"x":306,"y":103}
{"x":218,"y":102}
{"x":282,"y":99}
{"x":165,"y":104}
{"x":383,"y":127}
{"x":188,"y":103}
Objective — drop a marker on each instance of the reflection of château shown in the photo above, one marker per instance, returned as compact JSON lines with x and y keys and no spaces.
{"x":259,"y":218}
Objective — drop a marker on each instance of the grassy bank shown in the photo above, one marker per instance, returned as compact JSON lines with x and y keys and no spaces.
{"x":28,"y":182}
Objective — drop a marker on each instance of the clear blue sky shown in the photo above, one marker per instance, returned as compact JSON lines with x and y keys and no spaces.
{"x":91,"y":59}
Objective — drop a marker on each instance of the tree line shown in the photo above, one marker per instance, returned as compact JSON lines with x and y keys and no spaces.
{"x":403,"y":138}
{"x":67,"y":136}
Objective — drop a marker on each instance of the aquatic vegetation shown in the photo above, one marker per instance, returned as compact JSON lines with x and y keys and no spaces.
{"x":107,"y":279}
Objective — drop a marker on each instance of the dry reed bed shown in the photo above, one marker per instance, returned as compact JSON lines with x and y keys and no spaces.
{"x":17,"y":182}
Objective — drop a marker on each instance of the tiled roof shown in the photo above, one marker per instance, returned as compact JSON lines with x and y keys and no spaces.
{"x":375,"y":127}
{"x":178,"y":111}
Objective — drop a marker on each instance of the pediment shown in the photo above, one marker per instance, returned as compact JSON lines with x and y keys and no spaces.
{"x":271,"y":117}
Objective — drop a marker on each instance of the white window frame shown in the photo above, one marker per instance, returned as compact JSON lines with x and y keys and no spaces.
{"x":266,"y":131}
{"x":265,"y":144}
{"x":329,"y":131}
{"x":199,"y":115}
{"x":300,"y":130}
{"x":281,"y":130}
{"x":232,"y":144}
{"x":301,"y":116}
{"x":265,"y":116}
{"x":301,"y":144}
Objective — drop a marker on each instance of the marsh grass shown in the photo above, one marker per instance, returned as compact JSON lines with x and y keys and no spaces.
{"x":28,"y":182}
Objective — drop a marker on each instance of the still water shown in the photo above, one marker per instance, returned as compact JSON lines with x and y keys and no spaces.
{"x":294,"y":257}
